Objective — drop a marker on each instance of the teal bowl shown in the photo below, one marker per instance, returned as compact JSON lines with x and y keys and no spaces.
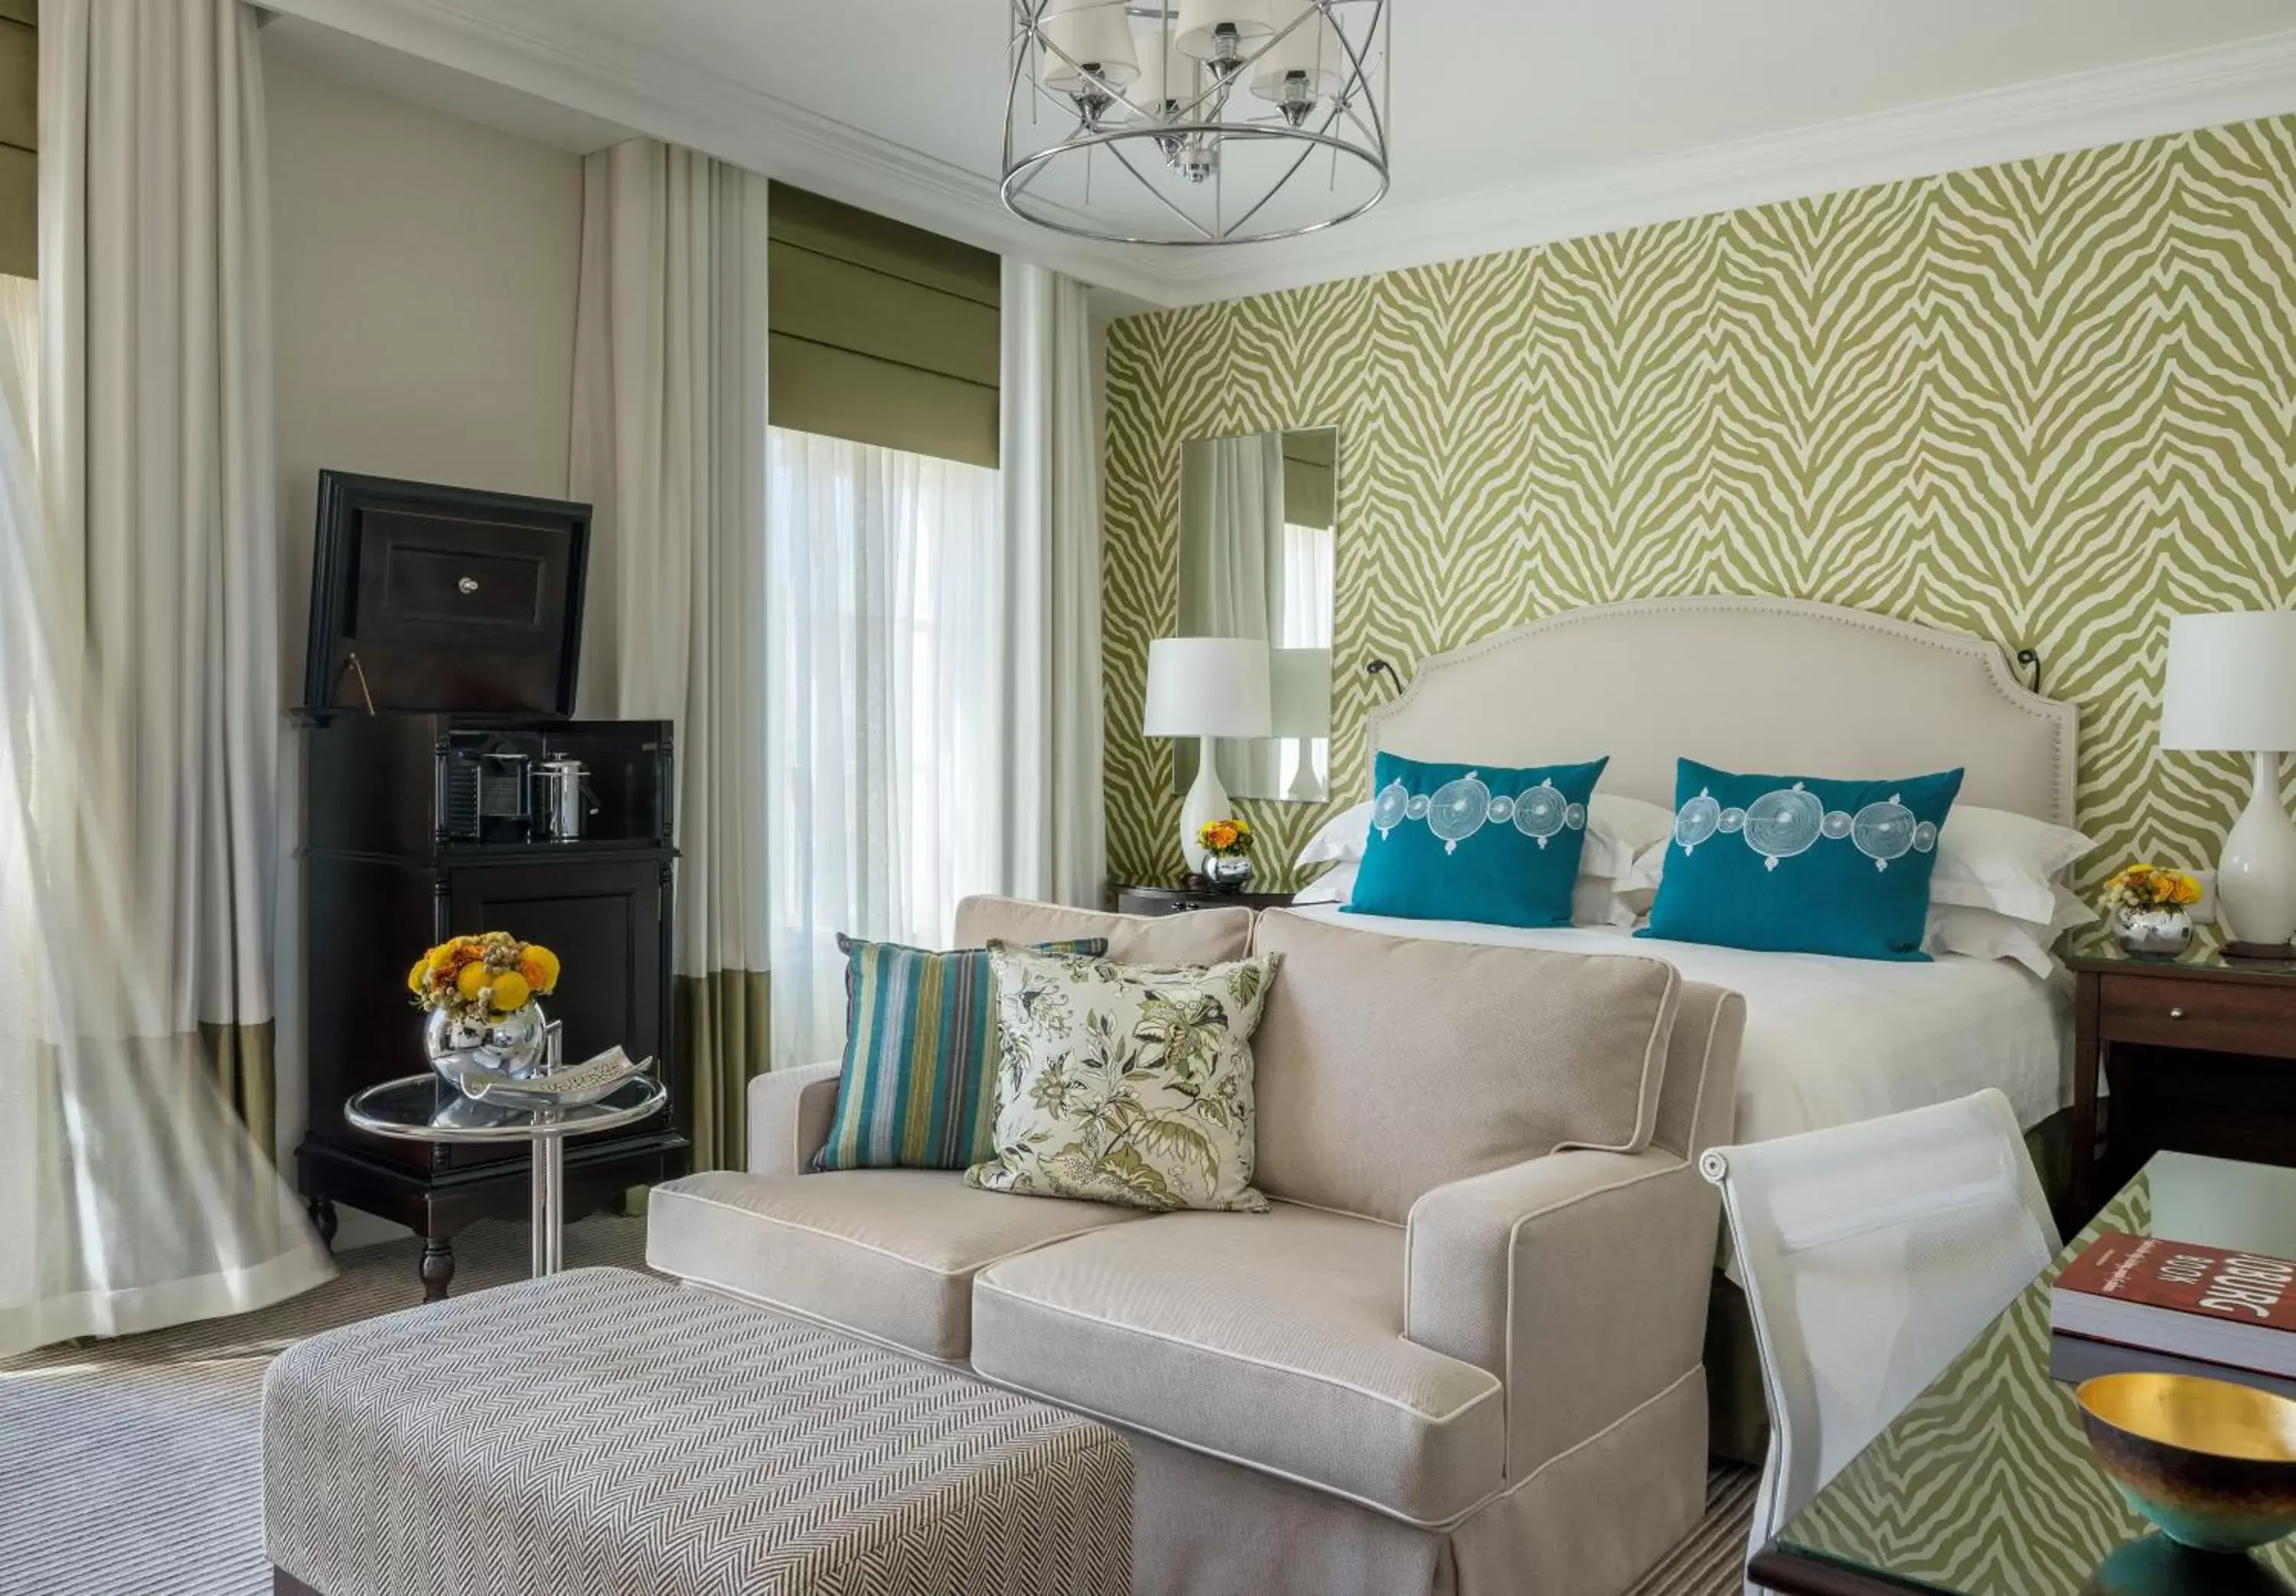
{"x":2213,"y":1463}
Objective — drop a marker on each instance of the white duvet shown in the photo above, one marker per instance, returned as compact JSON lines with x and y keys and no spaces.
{"x":1832,"y":1041}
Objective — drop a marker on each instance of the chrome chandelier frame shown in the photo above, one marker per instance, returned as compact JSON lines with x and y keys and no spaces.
{"x":1188,"y":136}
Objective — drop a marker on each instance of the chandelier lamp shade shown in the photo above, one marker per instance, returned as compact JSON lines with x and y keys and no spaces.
{"x":1204,"y":122}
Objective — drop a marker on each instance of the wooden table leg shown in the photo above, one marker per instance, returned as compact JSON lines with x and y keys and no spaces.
{"x":2088,"y":1048}
{"x":437,"y":1267}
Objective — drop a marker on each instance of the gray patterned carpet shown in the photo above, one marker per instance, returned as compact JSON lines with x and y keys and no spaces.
{"x":132,"y":1467}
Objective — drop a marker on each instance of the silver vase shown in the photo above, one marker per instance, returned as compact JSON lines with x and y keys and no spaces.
{"x":1227,"y":873}
{"x":2161,"y":933}
{"x":510,"y":1044}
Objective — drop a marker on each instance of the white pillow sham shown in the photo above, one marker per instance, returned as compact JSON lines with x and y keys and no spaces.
{"x":1985,"y":934}
{"x":2008,"y":863}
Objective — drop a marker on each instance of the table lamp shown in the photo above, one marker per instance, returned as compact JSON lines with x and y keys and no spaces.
{"x":1206,"y":687}
{"x":2232,"y":686}
{"x":1299,"y":686}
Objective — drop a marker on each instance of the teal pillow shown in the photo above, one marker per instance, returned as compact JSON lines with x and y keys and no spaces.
{"x":1788,"y":864}
{"x":1474,"y":842}
{"x":918,"y":1086}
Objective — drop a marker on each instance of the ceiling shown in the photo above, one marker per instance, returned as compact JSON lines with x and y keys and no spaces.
{"x":1513,"y":121}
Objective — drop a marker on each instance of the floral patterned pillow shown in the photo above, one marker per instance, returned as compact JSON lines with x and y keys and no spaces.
{"x":1125,"y":1084}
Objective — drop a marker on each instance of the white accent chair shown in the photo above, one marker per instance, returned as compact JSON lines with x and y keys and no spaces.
{"x":1872,"y":1254}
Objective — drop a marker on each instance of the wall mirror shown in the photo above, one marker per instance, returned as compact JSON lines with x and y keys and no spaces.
{"x":1259,"y":525}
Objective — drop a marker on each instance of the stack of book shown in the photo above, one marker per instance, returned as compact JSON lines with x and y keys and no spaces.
{"x":2147,"y":1305}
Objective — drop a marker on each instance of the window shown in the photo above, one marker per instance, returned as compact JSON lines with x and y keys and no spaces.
{"x":887,"y":716}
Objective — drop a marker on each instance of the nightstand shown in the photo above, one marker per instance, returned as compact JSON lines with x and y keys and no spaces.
{"x":2137,"y":1023}
{"x":1180,"y":900}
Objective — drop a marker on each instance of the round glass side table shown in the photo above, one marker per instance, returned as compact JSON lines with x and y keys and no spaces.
{"x":423,"y":1108}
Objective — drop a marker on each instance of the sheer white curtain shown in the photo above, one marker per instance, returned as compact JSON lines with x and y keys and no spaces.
{"x":1304,"y":621}
{"x":888,"y":735}
{"x":669,"y":446}
{"x":139,"y":694}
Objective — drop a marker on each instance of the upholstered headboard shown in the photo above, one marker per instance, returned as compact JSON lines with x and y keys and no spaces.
{"x":1775,"y":686}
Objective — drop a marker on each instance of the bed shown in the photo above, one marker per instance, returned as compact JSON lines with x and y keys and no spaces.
{"x":1780,"y":685}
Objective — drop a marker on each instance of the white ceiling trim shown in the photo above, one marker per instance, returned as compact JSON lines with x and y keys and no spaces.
{"x":2200,"y":88}
{"x":517,"y":41}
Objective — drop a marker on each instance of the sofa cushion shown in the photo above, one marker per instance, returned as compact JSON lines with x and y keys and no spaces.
{"x":1274,"y":1339}
{"x":1204,"y":937}
{"x":1388,"y":1066}
{"x":886,"y":1253}
{"x":1127,"y":1084}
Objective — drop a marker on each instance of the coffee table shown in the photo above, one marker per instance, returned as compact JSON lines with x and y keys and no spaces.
{"x":1986,"y":1487}
{"x":424,"y":1108}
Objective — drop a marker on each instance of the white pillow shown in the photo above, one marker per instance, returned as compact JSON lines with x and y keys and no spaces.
{"x":1993,"y":859}
{"x":1592,"y":900}
{"x":1341,"y":840}
{"x":1617,"y":828}
{"x":1985,"y":934}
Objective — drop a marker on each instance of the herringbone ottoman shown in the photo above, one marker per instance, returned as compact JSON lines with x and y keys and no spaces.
{"x":605,"y":1432}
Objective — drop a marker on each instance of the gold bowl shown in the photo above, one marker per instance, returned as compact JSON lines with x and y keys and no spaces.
{"x":2211,"y":1462}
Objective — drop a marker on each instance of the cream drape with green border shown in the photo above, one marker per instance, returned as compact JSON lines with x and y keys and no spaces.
{"x":139,"y":695}
{"x":669,"y":446}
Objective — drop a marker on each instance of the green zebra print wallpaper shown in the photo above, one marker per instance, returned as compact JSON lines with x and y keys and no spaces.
{"x":2047,"y":403}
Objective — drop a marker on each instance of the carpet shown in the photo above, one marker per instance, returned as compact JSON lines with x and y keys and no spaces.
{"x":133,"y":1468}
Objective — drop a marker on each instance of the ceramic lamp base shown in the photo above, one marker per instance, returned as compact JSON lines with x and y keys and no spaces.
{"x":2256,"y":876}
{"x":1207,"y":801}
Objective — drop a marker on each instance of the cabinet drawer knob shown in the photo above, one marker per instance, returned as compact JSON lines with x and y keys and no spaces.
{"x":2176,"y":1014}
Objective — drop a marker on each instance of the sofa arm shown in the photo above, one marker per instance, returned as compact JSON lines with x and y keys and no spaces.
{"x":1579,"y":1279}
{"x":789,"y":1114}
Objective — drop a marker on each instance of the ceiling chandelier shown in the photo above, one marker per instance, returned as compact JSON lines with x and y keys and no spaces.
{"x":1218,"y":122}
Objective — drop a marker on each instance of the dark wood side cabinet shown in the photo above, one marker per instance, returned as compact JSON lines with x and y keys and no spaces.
{"x":2199,"y":1054}
{"x":384,"y":877}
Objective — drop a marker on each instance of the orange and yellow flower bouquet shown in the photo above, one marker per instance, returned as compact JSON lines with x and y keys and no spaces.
{"x":478,"y":979}
{"x":1223,"y":837}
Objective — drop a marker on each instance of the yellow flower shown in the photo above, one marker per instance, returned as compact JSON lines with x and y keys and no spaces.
{"x":472,"y":981}
{"x":508,"y":993}
{"x":539,"y":967}
{"x":417,"y":977}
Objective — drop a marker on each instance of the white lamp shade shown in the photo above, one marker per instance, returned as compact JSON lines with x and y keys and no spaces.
{"x":2232,"y":683}
{"x":1207,"y":687}
{"x":1091,"y":33}
{"x":1312,"y":47}
{"x":1300,"y":683}
{"x":1200,"y":19}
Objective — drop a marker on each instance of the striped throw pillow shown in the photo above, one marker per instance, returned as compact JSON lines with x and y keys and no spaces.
{"x":918,"y":1087}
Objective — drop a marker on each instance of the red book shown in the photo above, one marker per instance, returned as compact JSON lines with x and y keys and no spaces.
{"x":2182,"y":1299}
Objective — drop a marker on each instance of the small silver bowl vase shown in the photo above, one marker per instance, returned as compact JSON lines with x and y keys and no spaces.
{"x":514,"y":1045}
{"x":2162,"y":933}
{"x":1227,"y":873}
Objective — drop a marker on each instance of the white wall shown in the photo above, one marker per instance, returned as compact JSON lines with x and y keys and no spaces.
{"x":423,"y":276}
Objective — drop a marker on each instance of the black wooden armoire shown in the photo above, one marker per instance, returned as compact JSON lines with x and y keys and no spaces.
{"x":446,"y":627}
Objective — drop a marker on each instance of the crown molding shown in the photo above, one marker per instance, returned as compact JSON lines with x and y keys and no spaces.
{"x":523,"y":44}
{"x":2172,"y":93}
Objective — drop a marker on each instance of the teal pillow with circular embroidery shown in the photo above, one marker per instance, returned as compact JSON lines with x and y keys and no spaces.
{"x":1801,"y":864}
{"x":1475,"y":842}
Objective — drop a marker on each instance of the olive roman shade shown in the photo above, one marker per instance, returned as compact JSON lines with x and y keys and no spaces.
{"x":20,"y":138}
{"x":881,"y":333}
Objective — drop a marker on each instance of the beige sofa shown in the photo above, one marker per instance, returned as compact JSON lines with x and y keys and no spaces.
{"x":1460,"y":1355}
